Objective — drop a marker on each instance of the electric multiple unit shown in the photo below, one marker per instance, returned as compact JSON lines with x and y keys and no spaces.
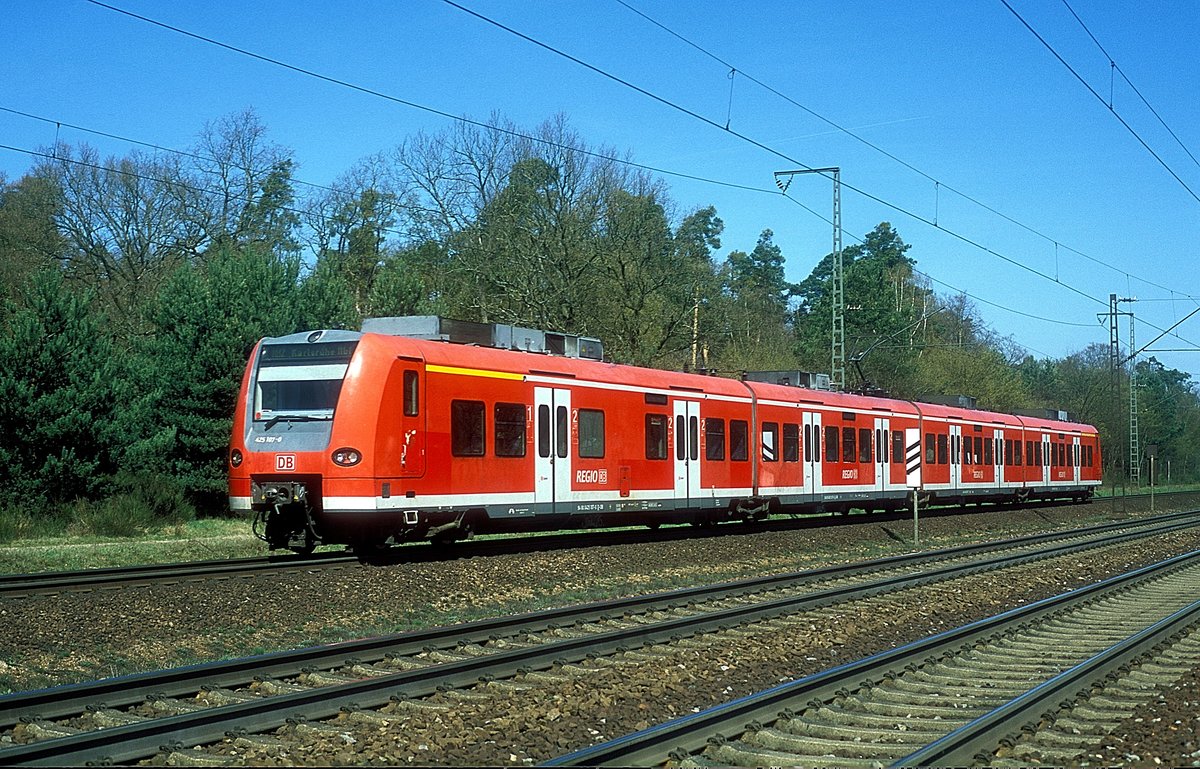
{"x":424,"y":428}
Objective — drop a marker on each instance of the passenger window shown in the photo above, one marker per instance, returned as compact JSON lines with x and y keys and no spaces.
{"x":791,"y":443}
{"x":694,"y":437}
{"x":849,"y":445}
{"x":509,"y":419}
{"x":543,"y":428}
{"x":656,"y":436}
{"x":808,"y":443}
{"x":739,"y":440}
{"x":1017,"y":453}
{"x":680,"y":438}
{"x":864,"y":445}
{"x":943,"y":450}
{"x":466,"y":428}
{"x":591,"y":434}
{"x":563,"y":427}
{"x":411,"y":401}
{"x":987,"y":452}
{"x":714,"y":439}
{"x":770,"y":441}
{"x":929,"y":455}
{"x":897,"y":447}
{"x":831,"y":444}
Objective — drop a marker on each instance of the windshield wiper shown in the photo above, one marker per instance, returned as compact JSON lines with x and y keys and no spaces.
{"x":289,"y":418}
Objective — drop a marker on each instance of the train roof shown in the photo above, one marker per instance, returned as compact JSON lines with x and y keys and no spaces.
{"x":452,"y":355}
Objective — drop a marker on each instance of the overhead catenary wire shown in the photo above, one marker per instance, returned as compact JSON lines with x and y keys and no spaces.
{"x":1100,"y":98}
{"x":1116,"y":68}
{"x":648,"y":94}
{"x":938,"y":184}
{"x":778,"y":153}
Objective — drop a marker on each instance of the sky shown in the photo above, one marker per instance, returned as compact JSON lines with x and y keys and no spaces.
{"x":1037,"y":188}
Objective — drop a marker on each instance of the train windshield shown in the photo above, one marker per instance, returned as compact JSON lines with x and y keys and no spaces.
{"x":300,"y":382}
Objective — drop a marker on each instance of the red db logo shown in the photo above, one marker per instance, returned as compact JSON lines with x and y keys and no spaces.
{"x":285,"y":463}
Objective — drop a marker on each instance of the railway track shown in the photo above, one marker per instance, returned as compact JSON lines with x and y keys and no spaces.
{"x":1034,"y":685}
{"x":111,"y":719}
{"x":50,"y":583}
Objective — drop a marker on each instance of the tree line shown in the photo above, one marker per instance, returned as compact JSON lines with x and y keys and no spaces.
{"x":133,"y":288}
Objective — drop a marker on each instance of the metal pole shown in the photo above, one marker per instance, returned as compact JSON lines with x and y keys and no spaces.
{"x":837,"y":342}
{"x":916,"y":522}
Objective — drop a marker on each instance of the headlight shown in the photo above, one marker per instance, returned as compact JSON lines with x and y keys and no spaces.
{"x":347,"y":457}
{"x":235,"y":458}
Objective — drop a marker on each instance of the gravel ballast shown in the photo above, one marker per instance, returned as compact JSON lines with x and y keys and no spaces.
{"x":78,"y":636}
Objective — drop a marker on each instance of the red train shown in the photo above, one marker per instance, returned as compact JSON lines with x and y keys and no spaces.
{"x":425,"y":428}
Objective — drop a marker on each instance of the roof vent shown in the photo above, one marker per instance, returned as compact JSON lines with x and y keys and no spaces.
{"x":805,"y":379}
{"x":1056,"y":414}
{"x":961,"y":401}
{"x":501,"y":336}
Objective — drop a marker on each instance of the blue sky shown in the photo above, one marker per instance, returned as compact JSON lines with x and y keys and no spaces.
{"x":961,"y":91}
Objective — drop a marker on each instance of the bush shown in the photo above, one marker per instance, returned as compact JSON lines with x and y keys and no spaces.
{"x":19,"y":523}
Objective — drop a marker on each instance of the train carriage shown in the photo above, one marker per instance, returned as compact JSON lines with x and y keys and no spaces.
{"x":422,"y":428}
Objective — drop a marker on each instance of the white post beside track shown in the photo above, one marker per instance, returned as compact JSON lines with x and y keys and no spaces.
{"x":912,"y":464}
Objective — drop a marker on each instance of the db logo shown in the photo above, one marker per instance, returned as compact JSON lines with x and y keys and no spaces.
{"x":285,"y":463}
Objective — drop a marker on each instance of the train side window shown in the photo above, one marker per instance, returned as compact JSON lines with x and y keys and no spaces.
{"x":770,"y":441}
{"x":467,"y":428}
{"x":967,"y":459}
{"x":791,"y":443}
{"x":1017,"y":453}
{"x":591,"y":434}
{"x":897,"y":447}
{"x":808,"y":432}
{"x":864,"y":445}
{"x":849,"y":447}
{"x":509,"y":419}
{"x":714,"y":439}
{"x":831,"y":444}
{"x":987,"y":459}
{"x":656,"y":436}
{"x":739,"y":440}
{"x":694,"y":437}
{"x":930,"y":457}
{"x":881,"y":445}
{"x":563,"y":427}
{"x":543,"y":431}
{"x":816,"y":445}
{"x":680,"y":437}
{"x":1091,"y":458}
{"x":987,"y":452}
{"x":1053,"y":461}
{"x":1008,"y":452}
{"x":943,"y":450}
{"x":411,"y":391}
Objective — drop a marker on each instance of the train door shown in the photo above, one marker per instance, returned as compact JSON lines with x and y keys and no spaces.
{"x":687,"y":453}
{"x":552,"y":462}
{"x":955,"y":456}
{"x":812,"y":453}
{"x":1046,"y":449}
{"x":882,"y":446}
{"x":412,"y":418}
{"x":998,"y":458}
{"x":1075,"y":456}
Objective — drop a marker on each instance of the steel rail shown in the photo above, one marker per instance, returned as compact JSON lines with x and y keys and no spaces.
{"x":965,"y":746}
{"x":132,"y":741}
{"x":49,"y":583}
{"x":70,"y":699}
{"x":690,"y":734}
{"x":16,"y":585}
